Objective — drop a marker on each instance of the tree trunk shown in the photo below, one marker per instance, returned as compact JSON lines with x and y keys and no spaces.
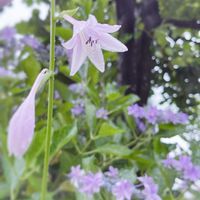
{"x":136,"y":64}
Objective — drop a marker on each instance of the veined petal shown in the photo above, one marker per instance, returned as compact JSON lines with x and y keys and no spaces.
{"x":108,"y":28}
{"x":78,"y":57}
{"x":70,"y":43}
{"x":96,"y":56}
{"x":21,"y":128}
{"x":92,"y":20}
{"x":22,"y":123}
{"x":109,"y":43}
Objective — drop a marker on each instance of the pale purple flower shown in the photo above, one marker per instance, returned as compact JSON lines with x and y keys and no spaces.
{"x":181,"y":118}
{"x":7,"y":34}
{"x":152,"y":114}
{"x":5,"y":73}
{"x":22,"y":123}
{"x":184,"y":166}
{"x":150,"y":188}
{"x":112,"y":172}
{"x":77,"y":110}
{"x":102,"y":113}
{"x":192,"y":173}
{"x":31,"y":41}
{"x":123,"y":190}
{"x":76,"y":88}
{"x":89,"y":38}
{"x":140,"y":124}
{"x":169,"y":162}
{"x":169,"y":116}
{"x":76,"y":175}
{"x":91,"y":183}
{"x":136,"y":111}
{"x":184,"y":163}
{"x":78,"y":107}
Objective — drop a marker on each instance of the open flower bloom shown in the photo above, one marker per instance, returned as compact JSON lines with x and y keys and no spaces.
{"x":22,"y":123}
{"x":89,"y":38}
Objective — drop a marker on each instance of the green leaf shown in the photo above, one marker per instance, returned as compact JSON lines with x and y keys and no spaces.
{"x":64,"y":33}
{"x":36,"y":147}
{"x":122,"y":102}
{"x":90,"y":114}
{"x":107,"y":129}
{"x":68,"y":12}
{"x":62,"y":137}
{"x":31,"y":67}
{"x":88,"y":163}
{"x":128,"y":174}
{"x":5,"y":191}
{"x":114,"y":149}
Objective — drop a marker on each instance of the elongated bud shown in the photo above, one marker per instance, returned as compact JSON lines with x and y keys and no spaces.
{"x":22,"y":124}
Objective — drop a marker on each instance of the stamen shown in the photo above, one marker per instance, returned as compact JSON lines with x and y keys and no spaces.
{"x":91,"y":42}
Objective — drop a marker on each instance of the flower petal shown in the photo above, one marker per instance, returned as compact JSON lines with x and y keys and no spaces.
{"x":109,"y":43}
{"x":78,"y":57}
{"x":96,"y":56}
{"x":92,"y":20}
{"x":108,"y":28}
{"x":70,"y":19}
{"x":70,"y":43}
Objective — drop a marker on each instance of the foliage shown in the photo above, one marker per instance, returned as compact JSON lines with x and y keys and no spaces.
{"x":93,"y":142}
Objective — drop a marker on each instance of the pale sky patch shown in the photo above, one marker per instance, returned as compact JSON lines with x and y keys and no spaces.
{"x":19,"y":11}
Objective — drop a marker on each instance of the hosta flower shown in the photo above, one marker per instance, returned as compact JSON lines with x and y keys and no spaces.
{"x":89,"y":38}
{"x":22,"y":123}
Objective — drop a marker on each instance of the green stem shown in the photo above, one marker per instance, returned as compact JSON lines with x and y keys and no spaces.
{"x":50,"y":103}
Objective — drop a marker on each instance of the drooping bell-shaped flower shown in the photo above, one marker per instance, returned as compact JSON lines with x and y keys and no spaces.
{"x":22,"y":123}
{"x":89,"y":38}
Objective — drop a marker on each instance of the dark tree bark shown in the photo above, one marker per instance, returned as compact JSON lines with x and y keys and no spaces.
{"x":127,"y":63}
{"x":136,"y":64}
{"x":192,"y":24}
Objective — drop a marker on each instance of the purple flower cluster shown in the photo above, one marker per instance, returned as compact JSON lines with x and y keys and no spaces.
{"x":122,"y":189}
{"x":102,"y":113}
{"x":184,"y":165}
{"x":31,"y":41}
{"x":153,"y":115}
{"x":150,"y":188}
{"x":77,"y":88}
{"x":12,"y":45}
{"x":7,"y":34}
{"x":78,"y":107}
{"x":5,"y":72}
{"x":89,"y":183}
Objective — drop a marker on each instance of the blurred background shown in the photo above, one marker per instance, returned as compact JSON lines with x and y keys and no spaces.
{"x":162,"y":68}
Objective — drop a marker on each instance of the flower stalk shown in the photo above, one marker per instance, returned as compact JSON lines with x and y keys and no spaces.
{"x":50,"y":102}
